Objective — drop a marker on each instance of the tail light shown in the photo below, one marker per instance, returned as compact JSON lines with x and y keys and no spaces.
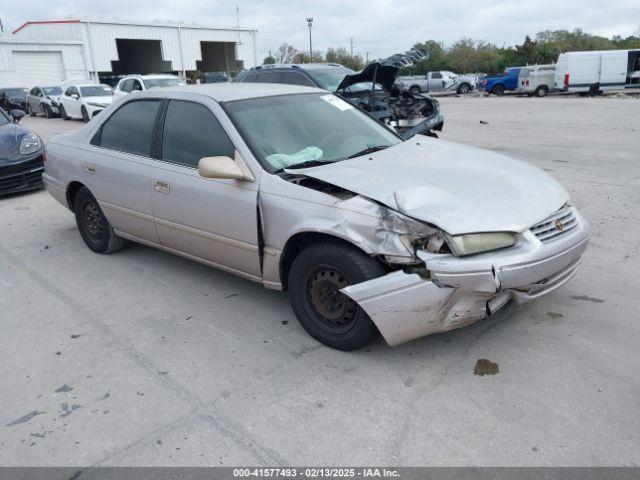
{"x":566,"y":79}
{"x":526,"y":83}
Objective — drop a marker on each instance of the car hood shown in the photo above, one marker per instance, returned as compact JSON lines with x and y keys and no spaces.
{"x":10,"y":138}
{"x":105,"y":100}
{"x":385,"y":75}
{"x":457,"y":188}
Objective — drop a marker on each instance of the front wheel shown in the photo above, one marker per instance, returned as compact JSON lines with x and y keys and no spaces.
{"x":85,"y":115}
{"x":63,"y":113}
{"x":95,"y":229}
{"x":415,"y":90}
{"x":315,"y":279}
{"x":464,"y":88}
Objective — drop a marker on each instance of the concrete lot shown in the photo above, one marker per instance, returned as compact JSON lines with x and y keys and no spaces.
{"x":144,"y":358}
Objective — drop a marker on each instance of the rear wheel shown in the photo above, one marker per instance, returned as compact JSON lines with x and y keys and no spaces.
{"x":541,"y":91}
{"x":85,"y":115}
{"x":315,"y":279}
{"x":498,"y":90}
{"x":95,"y":229}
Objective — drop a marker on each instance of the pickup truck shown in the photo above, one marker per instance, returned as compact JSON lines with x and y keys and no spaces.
{"x":439,"y":81}
{"x":500,"y":83}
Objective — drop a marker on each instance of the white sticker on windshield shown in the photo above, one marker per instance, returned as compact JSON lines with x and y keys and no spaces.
{"x":337,"y":102}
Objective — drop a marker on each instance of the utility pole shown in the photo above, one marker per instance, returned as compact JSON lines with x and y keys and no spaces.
{"x":310,"y":23}
{"x":351,"y":47}
{"x":367,"y":59}
{"x":1,"y":26}
{"x":237,"y":16}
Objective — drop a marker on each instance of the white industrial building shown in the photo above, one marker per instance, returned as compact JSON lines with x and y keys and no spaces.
{"x":46,"y":52}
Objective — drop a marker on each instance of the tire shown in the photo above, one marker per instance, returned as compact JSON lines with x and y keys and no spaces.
{"x":415,"y":90}
{"x":30,"y":110}
{"x":63,"y":112}
{"x":95,"y":229}
{"x":498,"y":90}
{"x":85,"y":115}
{"x":541,"y":91}
{"x":594,"y":89}
{"x":315,"y":277}
{"x":464,"y":88}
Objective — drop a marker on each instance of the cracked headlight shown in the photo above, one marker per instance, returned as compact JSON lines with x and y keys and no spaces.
{"x":30,"y":144}
{"x":480,"y":242}
{"x":412,"y":233}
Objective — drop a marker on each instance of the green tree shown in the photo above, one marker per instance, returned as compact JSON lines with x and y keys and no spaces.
{"x":269,"y":60}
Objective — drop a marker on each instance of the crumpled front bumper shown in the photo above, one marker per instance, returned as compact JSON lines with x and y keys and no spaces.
{"x":463,"y":290}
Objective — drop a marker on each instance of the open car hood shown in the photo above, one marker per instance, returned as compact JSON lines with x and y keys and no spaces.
{"x":386,"y":76}
{"x":457,"y":188}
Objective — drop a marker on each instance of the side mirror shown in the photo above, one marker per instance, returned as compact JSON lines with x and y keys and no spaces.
{"x":75,"y":96}
{"x":222,"y":167}
{"x":17,"y":114}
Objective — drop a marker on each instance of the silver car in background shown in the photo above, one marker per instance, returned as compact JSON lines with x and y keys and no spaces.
{"x":44,"y":100}
{"x":297,"y":189}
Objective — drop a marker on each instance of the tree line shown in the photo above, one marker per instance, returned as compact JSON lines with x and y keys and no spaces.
{"x":468,"y":55}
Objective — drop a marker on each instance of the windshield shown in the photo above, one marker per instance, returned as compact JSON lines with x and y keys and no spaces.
{"x":161,"y":82}
{"x":289,"y":130}
{"x":96,"y":91}
{"x":52,"y":90}
{"x":16,"y":92}
{"x":329,"y":78}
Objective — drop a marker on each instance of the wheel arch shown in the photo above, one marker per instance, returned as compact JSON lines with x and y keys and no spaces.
{"x":72,"y":190}
{"x":301,"y":240}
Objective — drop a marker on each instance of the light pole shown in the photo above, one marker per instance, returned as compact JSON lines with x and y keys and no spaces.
{"x":310,"y":23}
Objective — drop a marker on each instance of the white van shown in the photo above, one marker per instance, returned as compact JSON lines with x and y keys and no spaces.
{"x":597,"y":71}
{"x":536,"y":80}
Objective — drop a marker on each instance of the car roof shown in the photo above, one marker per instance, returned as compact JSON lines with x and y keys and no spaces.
{"x":227,"y":92}
{"x":150,"y":76}
{"x":301,"y":66}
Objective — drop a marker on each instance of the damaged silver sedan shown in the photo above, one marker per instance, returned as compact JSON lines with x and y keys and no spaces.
{"x":295,"y":188}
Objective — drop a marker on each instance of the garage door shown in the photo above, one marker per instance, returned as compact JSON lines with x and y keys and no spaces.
{"x":38,"y":68}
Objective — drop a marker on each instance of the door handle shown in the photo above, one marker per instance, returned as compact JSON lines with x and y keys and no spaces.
{"x":90,"y":168}
{"x":161,"y":186}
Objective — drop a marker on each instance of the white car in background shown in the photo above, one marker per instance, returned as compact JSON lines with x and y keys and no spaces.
{"x":84,"y":100}
{"x":134,"y":83}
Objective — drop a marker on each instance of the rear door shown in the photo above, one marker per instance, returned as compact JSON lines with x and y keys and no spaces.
{"x":436,"y":82}
{"x":214,"y":220}
{"x":117,"y":167}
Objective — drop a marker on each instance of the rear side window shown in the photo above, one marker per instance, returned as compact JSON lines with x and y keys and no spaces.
{"x":295,"y":78}
{"x":268,"y":77}
{"x":191,"y":132}
{"x":130,"y":128}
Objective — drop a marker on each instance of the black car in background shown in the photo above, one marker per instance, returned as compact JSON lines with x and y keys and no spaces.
{"x":11,"y":98}
{"x":21,"y":155}
{"x":374,"y":90}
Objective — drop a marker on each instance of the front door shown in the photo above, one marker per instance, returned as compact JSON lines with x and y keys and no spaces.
{"x":211,"y":219}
